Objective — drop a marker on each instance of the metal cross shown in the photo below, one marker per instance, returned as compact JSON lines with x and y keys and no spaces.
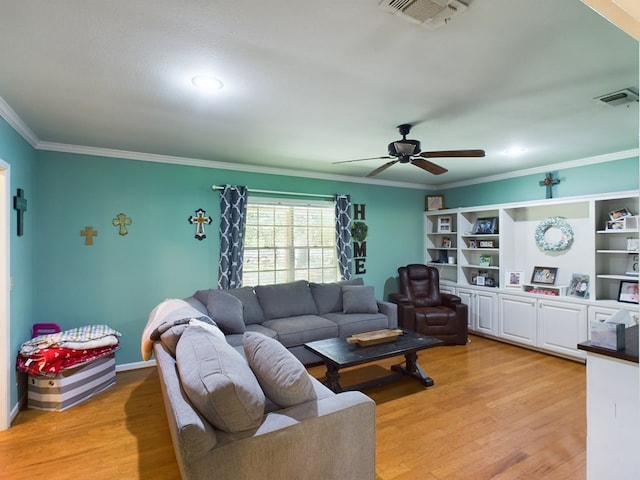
{"x":121,"y":221}
{"x":20,"y":204}
{"x":88,"y":233}
{"x":200,"y":220}
{"x":549,"y":182}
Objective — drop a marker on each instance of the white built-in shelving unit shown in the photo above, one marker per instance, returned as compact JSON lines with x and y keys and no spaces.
{"x":474,"y":263}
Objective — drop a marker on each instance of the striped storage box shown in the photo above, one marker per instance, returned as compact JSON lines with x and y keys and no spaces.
{"x":71,"y":386}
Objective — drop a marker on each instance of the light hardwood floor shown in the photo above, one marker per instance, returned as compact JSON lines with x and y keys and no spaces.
{"x":496,"y":412}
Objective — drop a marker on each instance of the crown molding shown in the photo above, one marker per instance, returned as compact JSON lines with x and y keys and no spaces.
{"x":17,"y":124}
{"x":608,"y":157}
{"x":197,"y":162}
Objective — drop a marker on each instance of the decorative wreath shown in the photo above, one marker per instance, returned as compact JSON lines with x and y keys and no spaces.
{"x":554,"y":222}
{"x":359,"y":231}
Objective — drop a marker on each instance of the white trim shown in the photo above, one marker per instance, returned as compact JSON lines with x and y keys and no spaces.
{"x":5,"y":295}
{"x":135,"y":365}
{"x":581,"y":162}
{"x":18,"y":125}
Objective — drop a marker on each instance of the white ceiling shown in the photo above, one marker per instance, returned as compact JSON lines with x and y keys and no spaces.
{"x":308,"y":83}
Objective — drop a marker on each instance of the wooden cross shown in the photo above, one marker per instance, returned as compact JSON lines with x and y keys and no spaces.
{"x":121,"y":221}
{"x":549,"y":182}
{"x":200,"y":220}
{"x":88,"y":233}
{"x":20,"y":204}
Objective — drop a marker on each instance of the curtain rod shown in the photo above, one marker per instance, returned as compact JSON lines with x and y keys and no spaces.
{"x":275,"y":192}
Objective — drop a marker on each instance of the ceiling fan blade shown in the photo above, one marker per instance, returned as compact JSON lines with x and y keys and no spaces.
{"x":453,"y":153}
{"x":361,"y":159}
{"x":381,"y":169}
{"x":429,"y":166}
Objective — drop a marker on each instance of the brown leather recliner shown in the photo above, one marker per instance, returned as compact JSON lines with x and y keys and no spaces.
{"x":424,"y":309}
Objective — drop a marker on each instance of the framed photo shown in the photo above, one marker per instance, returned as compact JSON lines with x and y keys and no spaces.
{"x":485,"y":260}
{"x":617,"y":214}
{"x":473,"y":244}
{"x":444,"y":225}
{"x":513,"y":278}
{"x":579,"y":286}
{"x":628,"y":292}
{"x":433,"y":202}
{"x":544,"y":275}
{"x":486,"y":225}
{"x":480,"y":280}
{"x":487,"y":244}
{"x":446,"y":242}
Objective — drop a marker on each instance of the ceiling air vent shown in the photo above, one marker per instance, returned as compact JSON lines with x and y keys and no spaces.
{"x":429,"y":13}
{"x":621,"y":97}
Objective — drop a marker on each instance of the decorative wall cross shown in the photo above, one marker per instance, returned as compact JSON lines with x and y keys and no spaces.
{"x":20,"y":204}
{"x":549,"y":182}
{"x":88,"y":233}
{"x":121,"y":221}
{"x":200,"y":220}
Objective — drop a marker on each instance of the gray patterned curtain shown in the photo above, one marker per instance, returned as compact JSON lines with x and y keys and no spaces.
{"x":343,"y":234}
{"x":233,"y":218}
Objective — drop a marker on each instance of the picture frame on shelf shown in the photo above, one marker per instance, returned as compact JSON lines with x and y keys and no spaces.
{"x":480,"y":280}
{"x":473,"y":244}
{"x":513,"y":278}
{"x":619,"y":213}
{"x":487,"y":244}
{"x":628,"y":292}
{"x":544,"y":275}
{"x":485,"y":260}
{"x":486,"y":226}
{"x":633,"y":260}
{"x":579,"y":286}
{"x":444,"y":224}
{"x":433,"y":202}
{"x":446,"y":242}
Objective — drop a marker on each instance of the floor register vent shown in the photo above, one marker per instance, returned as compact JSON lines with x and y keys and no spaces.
{"x":430,"y":13}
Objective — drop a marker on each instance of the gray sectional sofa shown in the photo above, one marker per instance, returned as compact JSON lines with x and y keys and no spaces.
{"x":239,"y":401}
{"x":296,"y":313}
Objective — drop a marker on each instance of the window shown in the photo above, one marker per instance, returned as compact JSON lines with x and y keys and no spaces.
{"x":288,"y":241}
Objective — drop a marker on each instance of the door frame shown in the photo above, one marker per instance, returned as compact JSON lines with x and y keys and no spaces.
{"x":5,"y":295}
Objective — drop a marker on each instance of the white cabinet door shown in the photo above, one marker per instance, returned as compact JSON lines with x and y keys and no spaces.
{"x":561,"y":326}
{"x":486,"y":312}
{"x":482,"y":309}
{"x":517,"y":319}
{"x":466,"y":296}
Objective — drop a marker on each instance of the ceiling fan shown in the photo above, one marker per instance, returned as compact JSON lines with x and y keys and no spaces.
{"x":408,"y":151}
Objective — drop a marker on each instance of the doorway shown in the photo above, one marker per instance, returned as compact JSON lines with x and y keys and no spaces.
{"x":5,"y":286}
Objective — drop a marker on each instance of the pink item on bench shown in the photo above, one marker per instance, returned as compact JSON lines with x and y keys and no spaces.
{"x":45,"y":329}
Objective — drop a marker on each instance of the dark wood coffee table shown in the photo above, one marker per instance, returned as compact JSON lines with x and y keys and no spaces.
{"x":336,"y":353}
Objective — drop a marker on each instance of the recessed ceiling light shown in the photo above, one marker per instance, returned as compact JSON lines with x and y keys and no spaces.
{"x":207,"y":82}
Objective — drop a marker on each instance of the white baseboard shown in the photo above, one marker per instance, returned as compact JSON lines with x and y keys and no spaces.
{"x":135,"y":365}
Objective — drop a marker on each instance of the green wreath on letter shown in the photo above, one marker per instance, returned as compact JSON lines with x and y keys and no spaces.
{"x":566,"y":234}
{"x":359,"y":231}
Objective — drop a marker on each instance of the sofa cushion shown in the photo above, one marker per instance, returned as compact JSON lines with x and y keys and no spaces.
{"x":328,"y":296}
{"x":286,"y":300}
{"x":281,"y":375}
{"x":218,"y":381}
{"x":352,"y":323}
{"x":251,"y":309}
{"x":224,"y":309}
{"x":293,"y":331}
{"x":169,"y":334}
{"x":358,"y":299}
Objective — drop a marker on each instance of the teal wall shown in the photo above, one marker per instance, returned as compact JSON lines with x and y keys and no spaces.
{"x":21,"y":159}
{"x":119,"y":279}
{"x":614,"y":176}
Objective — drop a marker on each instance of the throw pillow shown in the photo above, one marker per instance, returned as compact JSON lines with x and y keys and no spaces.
{"x":283,"y":378}
{"x":359,"y":299}
{"x":224,"y":309}
{"x":252,"y":310}
{"x":286,"y":300}
{"x":218,"y":381}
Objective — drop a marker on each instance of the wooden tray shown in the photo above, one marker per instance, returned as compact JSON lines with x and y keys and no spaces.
{"x":375,"y":337}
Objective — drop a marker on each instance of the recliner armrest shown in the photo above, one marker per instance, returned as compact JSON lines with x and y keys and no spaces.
{"x":450,"y":300}
{"x":398,"y":298}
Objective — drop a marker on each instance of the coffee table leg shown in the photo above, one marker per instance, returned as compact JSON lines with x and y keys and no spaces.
{"x":412,"y":369}
{"x":331,"y":378}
